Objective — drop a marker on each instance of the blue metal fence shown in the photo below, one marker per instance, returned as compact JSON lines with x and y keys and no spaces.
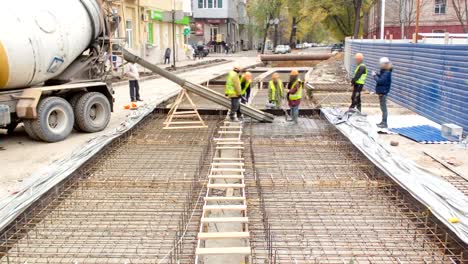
{"x":429,"y":79}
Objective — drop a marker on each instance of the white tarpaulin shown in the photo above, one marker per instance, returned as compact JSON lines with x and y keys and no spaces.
{"x":442,"y":198}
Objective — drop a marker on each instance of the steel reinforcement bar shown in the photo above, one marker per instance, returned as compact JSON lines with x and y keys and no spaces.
{"x":138,"y":202}
{"x":313,"y":198}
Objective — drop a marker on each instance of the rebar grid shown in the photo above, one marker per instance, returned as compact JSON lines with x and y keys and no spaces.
{"x":138,"y":202}
{"x":318,"y":200}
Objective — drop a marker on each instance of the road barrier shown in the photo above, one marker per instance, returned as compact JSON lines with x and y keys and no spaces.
{"x":429,"y":79}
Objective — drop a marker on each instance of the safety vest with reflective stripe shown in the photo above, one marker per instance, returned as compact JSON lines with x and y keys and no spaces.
{"x":230,"y":90}
{"x":272,"y":87}
{"x":298,"y":94}
{"x":361,"y":80}
{"x":246,"y":85}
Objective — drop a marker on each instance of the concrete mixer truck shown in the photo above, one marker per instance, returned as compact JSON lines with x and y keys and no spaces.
{"x":53,"y":67}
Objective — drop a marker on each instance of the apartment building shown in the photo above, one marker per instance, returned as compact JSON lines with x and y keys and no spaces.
{"x":436,"y":16}
{"x":146,"y":27}
{"x":219,"y":21}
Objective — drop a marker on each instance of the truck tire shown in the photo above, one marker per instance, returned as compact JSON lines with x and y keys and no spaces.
{"x":54,"y":119}
{"x":92,"y":112}
{"x":27,"y":124}
{"x":73,"y":100}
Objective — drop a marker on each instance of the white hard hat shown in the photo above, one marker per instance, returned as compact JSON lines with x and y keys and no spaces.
{"x":384,"y":60}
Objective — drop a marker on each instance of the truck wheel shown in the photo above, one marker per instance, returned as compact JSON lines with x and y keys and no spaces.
{"x":27,"y":124}
{"x":92,"y":112}
{"x":73,"y":100}
{"x":54,"y":119}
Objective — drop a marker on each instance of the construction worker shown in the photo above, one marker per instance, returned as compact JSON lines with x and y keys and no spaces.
{"x":275,"y":91}
{"x":358,"y":81}
{"x":245,"y":82}
{"x":234,"y":92}
{"x":294,"y":94}
{"x":383,"y":81}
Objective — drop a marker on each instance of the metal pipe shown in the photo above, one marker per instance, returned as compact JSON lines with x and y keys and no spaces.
{"x":198,"y":89}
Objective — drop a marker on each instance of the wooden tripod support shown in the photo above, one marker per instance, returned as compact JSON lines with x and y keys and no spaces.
{"x":183,"y":119}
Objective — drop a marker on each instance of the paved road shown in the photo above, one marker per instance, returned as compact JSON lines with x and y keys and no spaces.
{"x":22,"y":157}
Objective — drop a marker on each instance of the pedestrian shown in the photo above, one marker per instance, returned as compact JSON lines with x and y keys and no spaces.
{"x":275,"y":91}
{"x":226,"y":48}
{"x":167,"y":56}
{"x":294,"y":94}
{"x":133,"y":77}
{"x":383,"y":81}
{"x":245,"y":82}
{"x":233,"y":91}
{"x":358,"y":81}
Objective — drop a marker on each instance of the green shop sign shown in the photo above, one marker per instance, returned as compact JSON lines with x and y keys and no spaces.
{"x":183,"y":21}
{"x":157,"y":15}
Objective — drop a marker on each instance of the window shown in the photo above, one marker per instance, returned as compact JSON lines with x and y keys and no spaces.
{"x":210,"y":3}
{"x":129,"y":33}
{"x":440,"y":6}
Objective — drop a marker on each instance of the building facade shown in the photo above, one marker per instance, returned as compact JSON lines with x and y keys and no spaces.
{"x":146,"y":27}
{"x":436,"y":16}
{"x":219,"y":21}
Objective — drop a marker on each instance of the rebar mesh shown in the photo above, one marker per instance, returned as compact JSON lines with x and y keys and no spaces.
{"x":131,"y":205}
{"x":317,"y":200}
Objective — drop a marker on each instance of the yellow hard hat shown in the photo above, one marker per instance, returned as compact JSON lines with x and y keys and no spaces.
{"x":294,"y":72}
{"x":359,"y":56}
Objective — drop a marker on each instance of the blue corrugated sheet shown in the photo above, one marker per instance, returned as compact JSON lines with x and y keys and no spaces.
{"x":422,"y":134}
{"x":429,"y":79}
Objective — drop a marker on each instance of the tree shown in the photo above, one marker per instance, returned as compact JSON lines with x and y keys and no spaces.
{"x":357,"y":17}
{"x":461,"y":10}
{"x":263,"y":11}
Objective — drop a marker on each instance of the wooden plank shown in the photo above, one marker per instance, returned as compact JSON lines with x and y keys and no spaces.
{"x":223,"y":235}
{"x":225,"y":185}
{"x":230,"y":127}
{"x":226,"y":170}
{"x":208,"y":220}
{"x":185,"y":112}
{"x":228,"y":164}
{"x":226,"y":139}
{"x":238,"y":147}
{"x":223,"y":251}
{"x":184,"y":122}
{"x":228,"y":158}
{"x":230,"y":143}
{"x":225,"y":207}
{"x":239,"y":177}
{"x":185,"y":127}
{"x":224,"y":198}
{"x":230,"y":132}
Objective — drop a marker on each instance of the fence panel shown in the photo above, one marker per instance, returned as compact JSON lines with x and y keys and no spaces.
{"x":429,"y":79}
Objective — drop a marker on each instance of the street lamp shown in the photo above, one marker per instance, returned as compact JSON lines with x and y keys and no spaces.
{"x":275,"y":22}
{"x":382,"y":21}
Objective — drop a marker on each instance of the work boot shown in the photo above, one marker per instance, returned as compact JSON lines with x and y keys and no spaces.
{"x":382,"y":125}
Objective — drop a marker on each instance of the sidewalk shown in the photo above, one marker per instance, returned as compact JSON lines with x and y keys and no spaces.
{"x":21,"y":157}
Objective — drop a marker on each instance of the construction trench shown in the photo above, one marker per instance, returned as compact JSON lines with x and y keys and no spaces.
{"x":311,"y":197}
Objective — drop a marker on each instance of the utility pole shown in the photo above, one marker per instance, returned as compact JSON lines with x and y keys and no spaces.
{"x":382,"y":21}
{"x":418,"y":11}
{"x":173,"y":36}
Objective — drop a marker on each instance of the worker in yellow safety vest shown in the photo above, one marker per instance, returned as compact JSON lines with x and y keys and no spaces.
{"x":245,"y":82}
{"x":233,"y":91}
{"x":275,"y":91}
{"x":358,"y":81}
{"x":294,"y":94}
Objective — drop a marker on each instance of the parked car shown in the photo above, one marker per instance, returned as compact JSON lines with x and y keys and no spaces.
{"x":288,"y":48}
{"x":281,"y":49}
{"x":201,"y":50}
{"x":337,"y":47}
